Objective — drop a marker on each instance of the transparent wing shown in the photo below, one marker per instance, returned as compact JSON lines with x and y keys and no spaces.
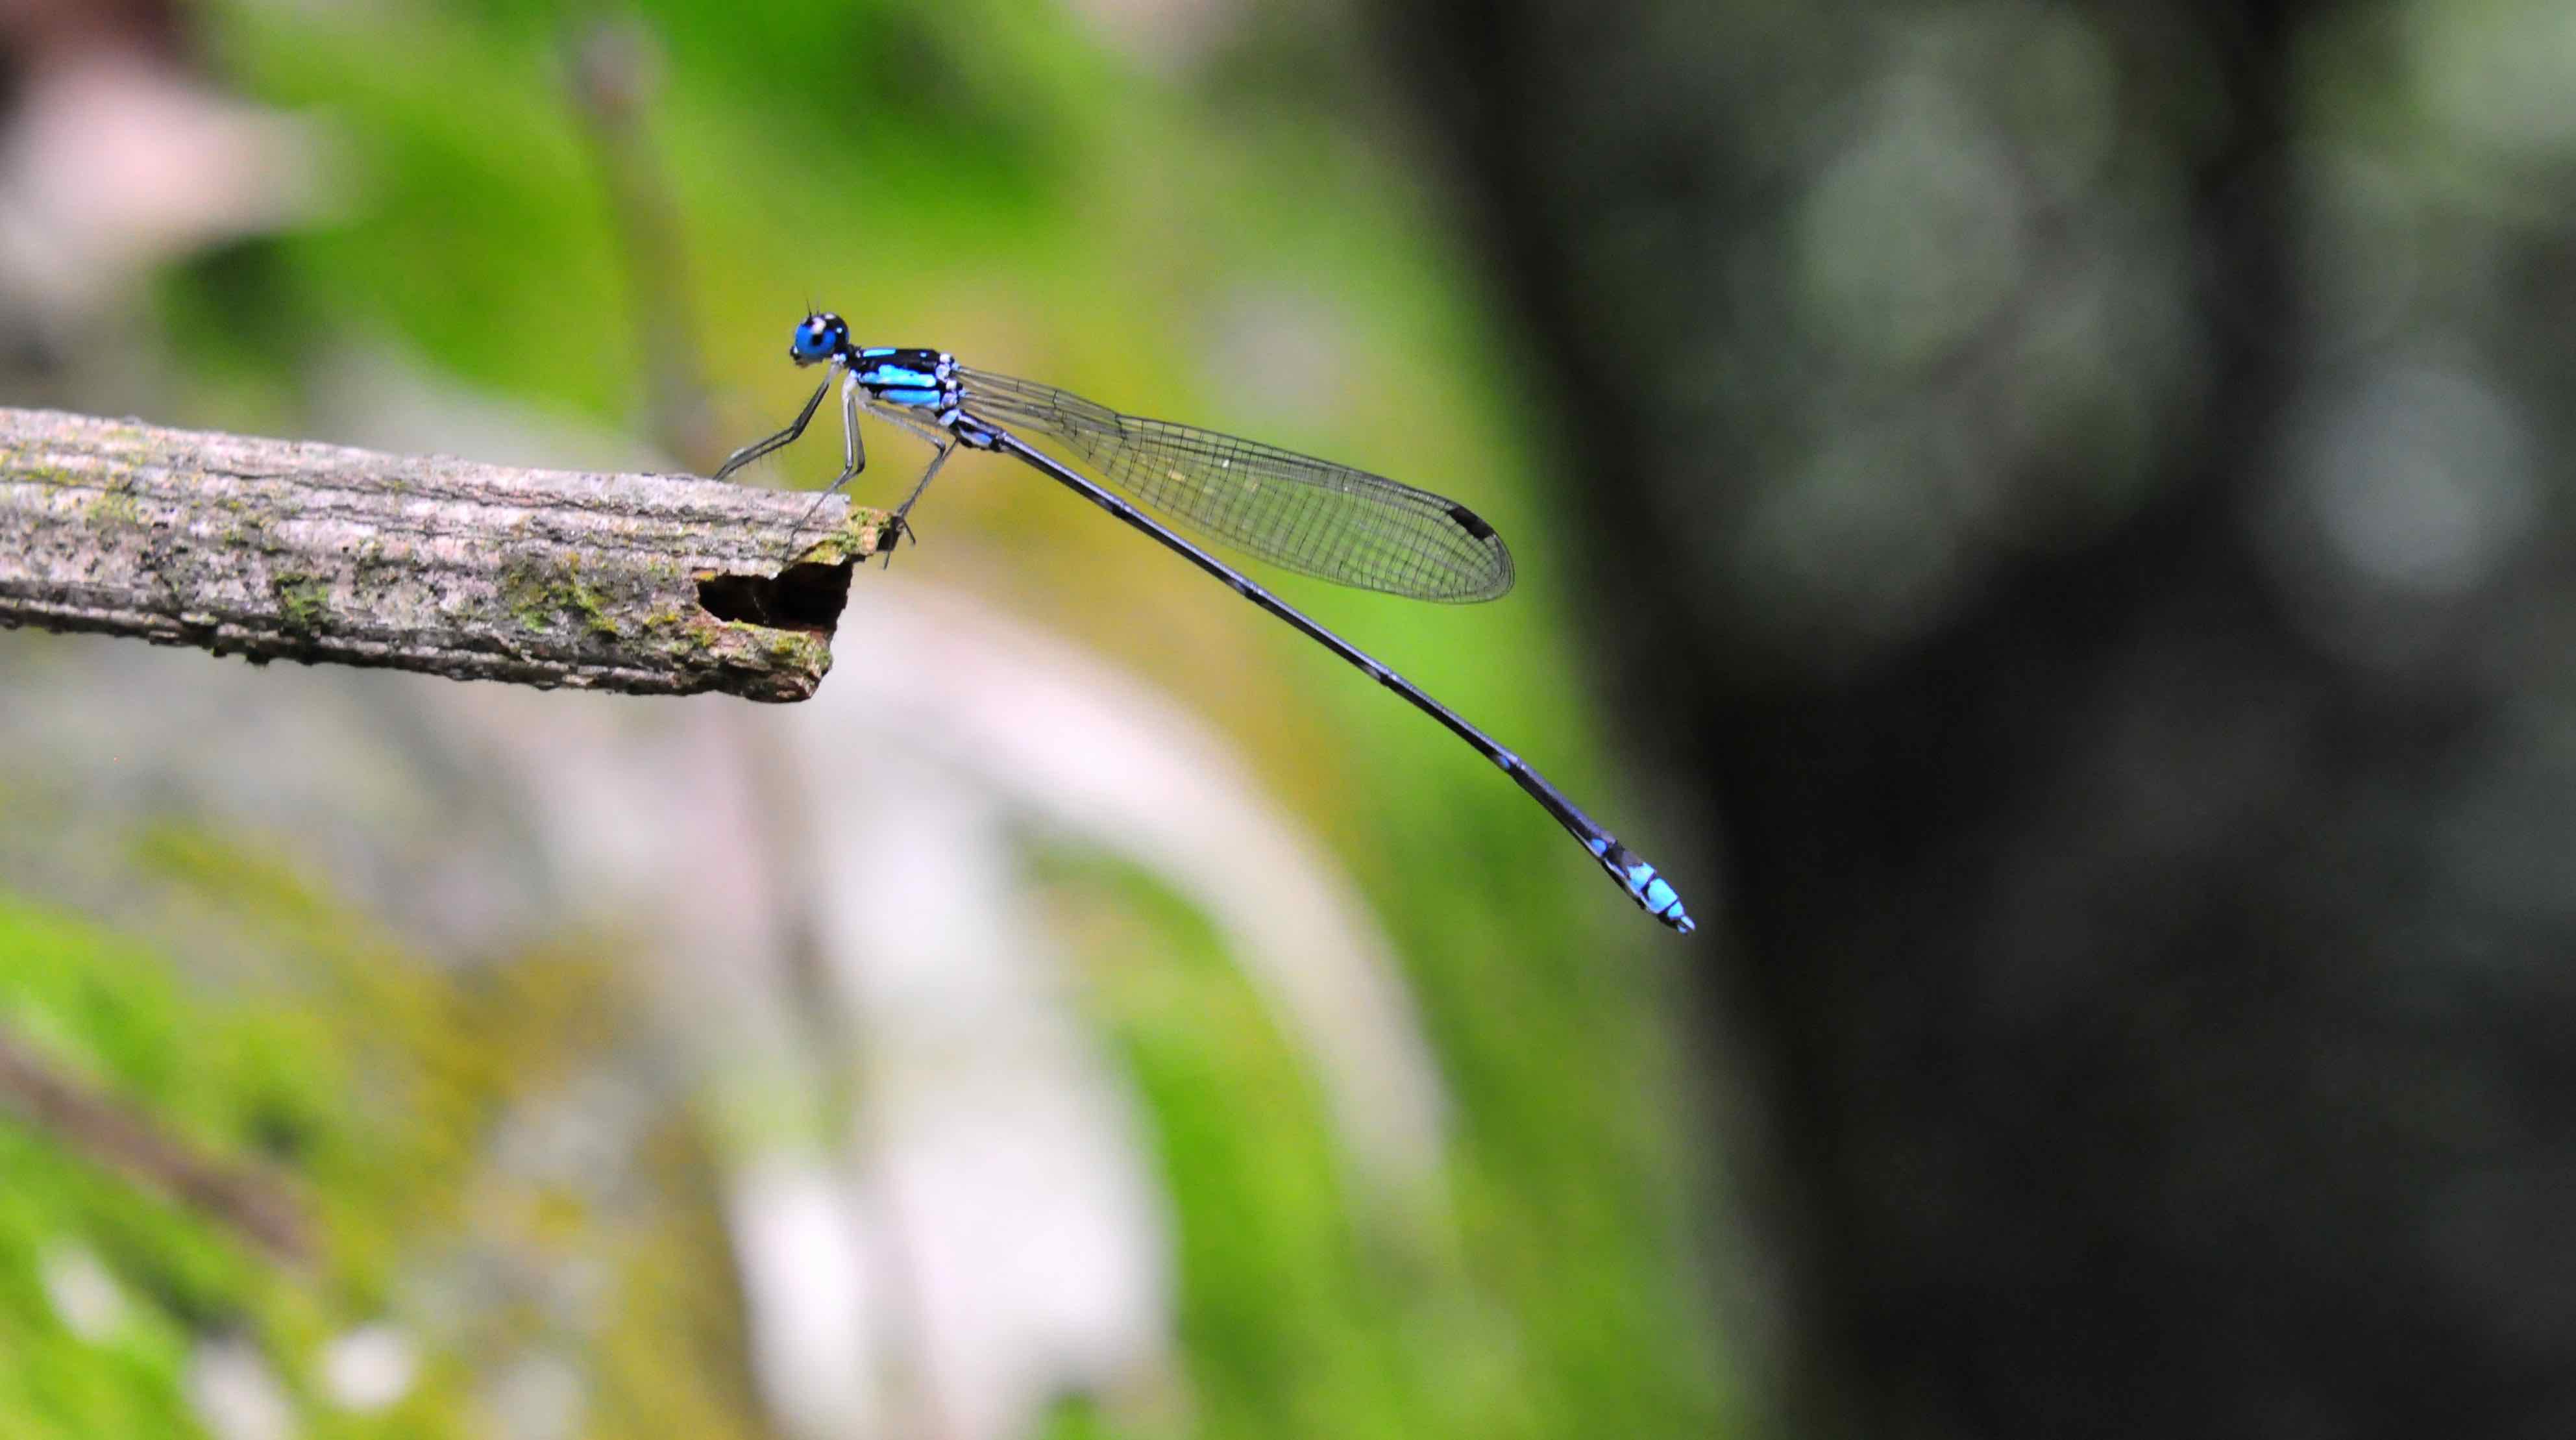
{"x":1303,"y":514}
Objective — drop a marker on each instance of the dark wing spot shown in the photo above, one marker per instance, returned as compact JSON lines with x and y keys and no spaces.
{"x":1469,"y":521}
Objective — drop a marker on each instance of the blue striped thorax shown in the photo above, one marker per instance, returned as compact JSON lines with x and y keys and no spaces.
{"x":925,"y":378}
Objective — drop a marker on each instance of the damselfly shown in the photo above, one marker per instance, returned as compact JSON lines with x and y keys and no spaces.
{"x":1302,"y":514}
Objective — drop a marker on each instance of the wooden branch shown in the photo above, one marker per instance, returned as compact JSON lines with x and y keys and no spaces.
{"x":277,"y":549}
{"x":242,"y":1199}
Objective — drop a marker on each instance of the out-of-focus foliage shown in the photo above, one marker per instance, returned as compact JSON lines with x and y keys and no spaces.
{"x":1300,"y":1314}
{"x":2105,"y":471}
{"x":382,"y":1096}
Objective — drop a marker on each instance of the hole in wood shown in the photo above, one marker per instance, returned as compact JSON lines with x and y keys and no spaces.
{"x":800,"y":597}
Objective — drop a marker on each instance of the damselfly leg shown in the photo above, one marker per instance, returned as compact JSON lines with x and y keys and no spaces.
{"x":854,"y":454}
{"x":758,"y":448}
{"x":941,"y":443}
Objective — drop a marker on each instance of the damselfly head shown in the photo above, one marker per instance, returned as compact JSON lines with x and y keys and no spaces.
{"x":818,"y":339}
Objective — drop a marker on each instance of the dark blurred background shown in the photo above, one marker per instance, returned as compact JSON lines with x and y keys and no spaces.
{"x":2053,"y":505}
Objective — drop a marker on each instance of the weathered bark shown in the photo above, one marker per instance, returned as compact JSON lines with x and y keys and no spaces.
{"x":277,"y":549}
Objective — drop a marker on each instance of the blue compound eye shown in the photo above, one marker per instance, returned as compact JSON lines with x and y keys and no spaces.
{"x":816,"y":339}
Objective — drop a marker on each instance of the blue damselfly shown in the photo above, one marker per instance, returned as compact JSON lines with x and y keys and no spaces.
{"x":1300,"y":513}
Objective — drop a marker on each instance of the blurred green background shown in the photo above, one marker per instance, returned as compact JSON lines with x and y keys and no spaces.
{"x":2049,"y":520}
{"x":538,"y":234}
